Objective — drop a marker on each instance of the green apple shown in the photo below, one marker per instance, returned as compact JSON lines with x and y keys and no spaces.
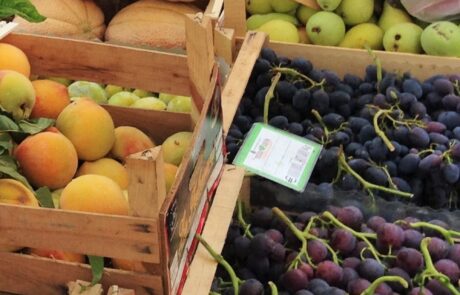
{"x":112,"y":89}
{"x":166,"y":97}
{"x":17,"y":94}
{"x":88,"y":89}
{"x":142,"y":93}
{"x":123,"y":99}
{"x":149,"y":103}
{"x":56,"y":196}
{"x":180,"y":104}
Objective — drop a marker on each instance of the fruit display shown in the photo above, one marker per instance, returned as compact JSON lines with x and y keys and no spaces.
{"x":375,"y":24}
{"x":337,"y":250}
{"x":388,"y":134}
{"x":65,"y":154}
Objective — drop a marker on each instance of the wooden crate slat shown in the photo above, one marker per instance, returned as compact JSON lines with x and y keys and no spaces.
{"x":105,"y":63}
{"x":44,"y":276}
{"x":86,"y":233}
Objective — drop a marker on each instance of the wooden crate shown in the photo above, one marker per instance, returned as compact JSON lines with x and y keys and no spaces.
{"x":161,"y":229}
{"x":339,"y":60}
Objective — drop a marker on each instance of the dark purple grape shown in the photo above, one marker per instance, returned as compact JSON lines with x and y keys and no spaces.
{"x":454,"y":254}
{"x":296,"y":128}
{"x":303,"y":292}
{"x":244,"y":273}
{"x":409,"y":164}
{"x":332,"y":79}
{"x":443,"y":86}
{"x":241,"y":245}
{"x":320,"y":101}
{"x":410,"y":260}
{"x":438,"y":249}
{"x":451,"y":173}
{"x":340,"y":138}
{"x":450,"y":119}
{"x":430,"y":162}
{"x":259,"y":99}
{"x":450,"y":102}
{"x":302,"y":65}
{"x":260,"y":266}
{"x":339,"y":98}
{"x":307,"y":269}
{"x":352,"y":80}
{"x":333,"y":120}
{"x":275,"y":235}
{"x":406,"y":99}
{"x":358,"y":165}
{"x":261,"y":245}
{"x":262,"y":217}
{"x":343,"y":241}
{"x":401,"y":184}
{"x":351,"y":262}
{"x":358,"y":286}
{"x":376,"y":222}
{"x":383,"y":289}
{"x":294,"y":280}
{"x":449,"y":268}
{"x":349,"y":182}
{"x":317,"y":251}
{"x":396,"y":271}
{"x":264,"y":80}
{"x":438,"y":138}
{"x":330,"y":272}
{"x":376,"y":176}
{"x":437,"y":288}
{"x":417,"y":109}
{"x":434,"y":126}
{"x":350,"y":216}
{"x":270,"y":55}
{"x":244,"y":123}
{"x":412,"y":238}
{"x":276,"y":271}
{"x":390,"y":235}
{"x":305,"y":217}
{"x":278,"y":253}
{"x":291,"y":113}
{"x":251,"y":287}
{"x":349,"y":274}
{"x":366,"y":133}
{"x":456,"y":132}
{"x":413,"y":86}
{"x":280,"y":122}
{"x":378,"y":150}
{"x":420,"y":291}
{"x":434,"y":233}
{"x":370,"y":269}
{"x":261,"y":66}
{"x":285,"y":91}
{"x":316,"y":285}
{"x":301,"y":100}
{"x":401,"y":134}
{"x":418,"y":137}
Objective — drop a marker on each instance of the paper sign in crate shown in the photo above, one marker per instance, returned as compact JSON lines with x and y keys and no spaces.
{"x":159,"y":233}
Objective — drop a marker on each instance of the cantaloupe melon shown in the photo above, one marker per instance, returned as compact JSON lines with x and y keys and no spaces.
{"x":150,"y":23}
{"x":80,"y":19}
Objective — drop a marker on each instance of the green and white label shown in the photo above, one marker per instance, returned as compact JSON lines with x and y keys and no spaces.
{"x":278,"y":155}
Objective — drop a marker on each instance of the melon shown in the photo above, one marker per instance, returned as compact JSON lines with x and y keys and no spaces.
{"x":79,"y":19}
{"x":150,"y":23}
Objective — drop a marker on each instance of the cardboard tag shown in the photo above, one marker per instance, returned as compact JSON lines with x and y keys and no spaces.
{"x":6,"y":28}
{"x":278,"y":155}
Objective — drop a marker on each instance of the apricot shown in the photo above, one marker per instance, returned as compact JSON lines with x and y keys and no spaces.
{"x":13,"y":58}
{"x":170,"y":172}
{"x":175,"y":146}
{"x":94,"y":193}
{"x":50,"y":99}
{"x":47,"y":159}
{"x":89,"y":127}
{"x":128,"y":265}
{"x":106,"y":167}
{"x":17,"y":94}
{"x":129,"y":140}
{"x":58,"y":255}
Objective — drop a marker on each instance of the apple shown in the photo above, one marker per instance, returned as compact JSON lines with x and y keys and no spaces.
{"x":149,"y":103}
{"x":112,"y":89}
{"x":123,"y":99}
{"x":17,"y":94}
{"x":142,"y":93}
{"x":180,"y":104}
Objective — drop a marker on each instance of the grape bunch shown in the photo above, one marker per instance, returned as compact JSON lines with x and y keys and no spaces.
{"x":388,"y":134}
{"x":337,"y":251}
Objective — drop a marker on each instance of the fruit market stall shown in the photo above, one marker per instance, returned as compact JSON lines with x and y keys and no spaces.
{"x":138,"y":236}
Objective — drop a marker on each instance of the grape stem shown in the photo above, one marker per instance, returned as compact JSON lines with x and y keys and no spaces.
{"x":273,"y":288}
{"x":294,"y":73}
{"x":242,"y":222}
{"x":431,"y":272}
{"x":371,"y":289}
{"x":367,"y":185}
{"x":270,"y":94}
{"x":379,"y":131}
{"x":447,"y":234}
{"x":221,"y":260}
{"x":377,"y":63}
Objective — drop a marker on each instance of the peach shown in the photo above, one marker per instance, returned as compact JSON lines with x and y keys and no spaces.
{"x":170,"y":171}
{"x":89,"y":127}
{"x":13,"y":58}
{"x":47,"y":159}
{"x":17,"y":94}
{"x":94,"y":193}
{"x":58,"y":255}
{"x":129,"y":140}
{"x":106,"y":167}
{"x":50,"y":99}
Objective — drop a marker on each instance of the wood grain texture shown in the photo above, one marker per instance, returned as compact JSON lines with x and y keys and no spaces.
{"x":36,"y":275}
{"x":105,"y":63}
{"x":239,"y":77}
{"x":224,"y":44}
{"x":235,"y":16}
{"x":203,"y":266}
{"x":86,"y":233}
{"x":214,"y":9}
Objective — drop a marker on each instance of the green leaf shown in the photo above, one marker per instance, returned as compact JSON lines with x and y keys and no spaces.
{"x":9,"y":167}
{"x":33,"y":126}
{"x":44,"y":197}
{"x":7,"y":124}
{"x":97,"y":268}
{"x":22,"y":8}
{"x":6,"y":143}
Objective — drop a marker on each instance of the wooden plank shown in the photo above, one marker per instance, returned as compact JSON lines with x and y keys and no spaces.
{"x":203,"y":266}
{"x":35,"y":275}
{"x":239,"y":77}
{"x":105,"y":63}
{"x":214,"y":9}
{"x":158,"y":125}
{"x":235,"y":16}
{"x":224,"y":44}
{"x":85,"y":233}
{"x":146,"y":183}
{"x":200,"y":53}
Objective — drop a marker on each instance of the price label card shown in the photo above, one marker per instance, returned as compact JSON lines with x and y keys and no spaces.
{"x":278,"y":155}
{"x":6,"y":28}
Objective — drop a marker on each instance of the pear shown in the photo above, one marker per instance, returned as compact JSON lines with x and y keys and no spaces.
{"x":284,"y":5}
{"x":441,"y":38}
{"x":328,"y":5}
{"x":280,"y":30}
{"x":404,"y":37}
{"x":256,"y":20}
{"x":325,"y":28}
{"x":304,"y":13}
{"x":258,"y":6}
{"x":355,"y":12}
{"x":392,"y":16}
{"x":17,"y":94}
{"x":363,"y":35}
